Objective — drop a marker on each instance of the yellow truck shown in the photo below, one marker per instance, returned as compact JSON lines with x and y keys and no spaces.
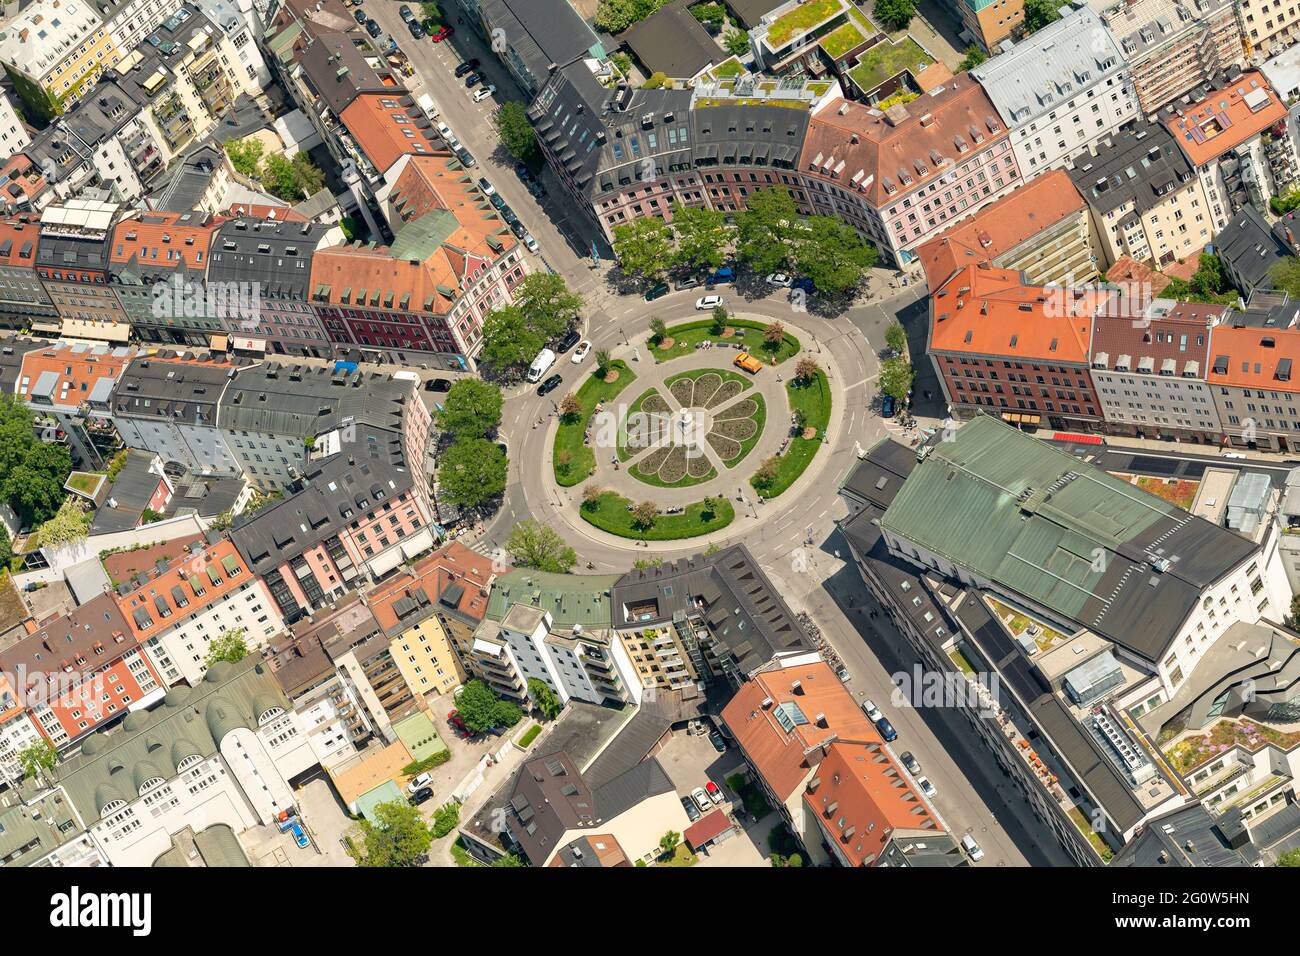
{"x":747,"y":362}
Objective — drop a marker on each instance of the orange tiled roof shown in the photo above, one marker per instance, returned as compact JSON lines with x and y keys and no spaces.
{"x":872,"y":797}
{"x":1251,"y":362}
{"x":782,"y":756}
{"x":987,"y":311}
{"x":452,"y":564}
{"x":200,"y":580}
{"x":22,"y":180}
{"x":385,"y":130}
{"x":1001,"y":226}
{"x":78,"y":371}
{"x":899,"y":148}
{"x":1249,"y":106}
{"x":19,"y":232}
{"x":270,"y":213}
{"x":1128,"y":271}
{"x":163,"y":238}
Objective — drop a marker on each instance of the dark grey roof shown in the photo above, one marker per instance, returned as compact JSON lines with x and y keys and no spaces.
{"x":205,"y":496}
{"x":338,"y":72}
{"x":673,"y":42}
{"x":307,"y":401}
{"x":128,"y":495}
{"x":646,"y":779}
{"x":750,"y":12}
{"x":876,"y":478}
{"x":539,"y":32}
{"x":12,"y":349}
{"x":1139,"y":165}
{"x":185,"y":392}
{"x":549,"y":797}
{"x":1187,"y":837}
{"x":740,"y":606}
{"x":190,"y":180}
{"x":1250,"y":249}
{"x":277,"y":255}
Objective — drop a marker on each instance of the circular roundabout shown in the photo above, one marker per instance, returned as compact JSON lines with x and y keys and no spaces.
{"x":663,"y":444}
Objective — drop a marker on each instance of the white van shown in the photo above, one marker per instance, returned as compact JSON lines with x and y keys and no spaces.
{"x":971,"y":847}
{"x":425,"y":102}
{"x":541,"y":365}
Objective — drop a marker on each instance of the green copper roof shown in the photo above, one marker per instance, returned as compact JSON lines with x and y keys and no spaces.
{"x":571,"y":598}
{"x":423,"y":237}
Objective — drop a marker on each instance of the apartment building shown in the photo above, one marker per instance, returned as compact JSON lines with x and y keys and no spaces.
{"x":54,"y":50}
{"x":1250,"y":376}
{"x":460,"y":581}
{"x":179,"y":608}
{"x":1059,"y":91}
{"x":1017,"y":351}
{"x":128,"y":22}
{"x":990,"y":22}
{"x":1175,"y":45}
{"x":363,"y":655}
{"x":904,"y":176}
{"x":1268,"y":27}
{"x":533,"y":36}
{"x":1249,"y":248}
{"x":1160,"y":213}
{"x":72,"y":385}
{"x":23,"y":300}
{"x":574,"y":662}
{"x":14,"y":135}
{"x":1150,"y":371}
{"x":420,"y":645}
{"x":1041,"y":229}
{"x":787,"y":38}
{"x":1236,"y":139}
{"x":167,"y":404}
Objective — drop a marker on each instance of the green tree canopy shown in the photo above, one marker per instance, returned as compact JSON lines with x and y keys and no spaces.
{"x":445,"y":819}
{"x":974,"y":57}
{"x":536,"y":545}
{"x":1289,"y":858}
{"x":472,"y":472}
{"x":32,"y":472}
{"x":1286,"y":276}
{"x":229,"y":647}
{"x":482,"y":710}
{"x":470,"y":409}
{"x":895,"y":14}
{"x":702,"y":237}
{"x":547,"y":303}
{"x":397,"y":837}
{"x":896,"y":336}
{"x":544,"y":698}
{"x":832,"y":255}
{"x":509,"y":340}
{"x":615,"y":16}
{"x":245,"y":155}
{"x":516,"y":132}
{"x":1039,"y":13}
{"x":644,"y":247}
{"x":38,"y":758}
{"x":764,"y":230}
{"x":71,"y":522}
{"x":896,"y":378}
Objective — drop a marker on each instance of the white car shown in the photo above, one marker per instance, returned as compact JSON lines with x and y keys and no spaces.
{"x":420,"y":782}
{"x":530,"y":243}
{"x":927,"y":787}
{"x":971,"y":847}
{"x":701,"y":800}
{"x":871,"y":710}
{"x":1234,"y":454}
{"x":707,"y":302}
{"x":780,"y":280}
{"x":581,"y":352}
{"x":483,"y":92}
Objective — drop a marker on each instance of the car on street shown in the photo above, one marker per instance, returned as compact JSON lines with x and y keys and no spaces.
{"x":655,"y":291}
{"x":719,"y":744}
{"x":692,"y":811}
{"x":1234,"y":454}
{"x":421,"y":795}
{"x":472,"y":80}
{"x":417,"y":31}
{"x":715,"y":793}
{"x":583,"y":350}
{"x":550,"y":385}
{"x":886,"y":730}
{"x":405,"y":13}
{"x":844,"y":675}
{"x":927,"y":787}
{"x":536,"y":188}
{"x":723,"y":276}
{"x":508,"y":215}
{"x":871,"y":710}
{"x":484,"y":93}
{"x":530,"y":243}
{"x":458,"y":723}
{"x":420,"y":782}
{"x":568,"y":341}
{"x":497,"y":201}
{"x":688,"y":282}
{"x":910,"y":762}
{"x":707,"y":302}
{"x":518,"y":229}
{"x":972,"y":848}
{"x":437,"y":385}
{"x":487,"y":187}
{"x":466,"y":157}
{"x":442,"y":33}
{"x":299,"y":835}
{"x":467,"y":66}
{"x":373,"y":28}
{"x":887,"y":407}
{"x":701,"y":800}
{"x":780,"y":280}
{"x":360,"y":16}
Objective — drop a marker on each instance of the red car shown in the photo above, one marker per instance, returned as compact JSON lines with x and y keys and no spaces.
{"x":453,"y":718}
{"x":442,"y":33}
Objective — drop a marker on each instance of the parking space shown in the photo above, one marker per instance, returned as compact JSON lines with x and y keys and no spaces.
{"x":746,"y":847}
{"x":327,"y":824}
{"x":691,"y":761}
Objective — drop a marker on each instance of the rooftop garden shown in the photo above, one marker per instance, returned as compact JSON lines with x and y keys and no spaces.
{"x":84,"y":482}
{"x":1098,"y":844}
{"x":800,"y":20}
{"x":886,"y":60}
{"x":727,"y":69}
{"x":842,"y":39}
{"x":1195,"y":749}
{"x":1018,"y":623}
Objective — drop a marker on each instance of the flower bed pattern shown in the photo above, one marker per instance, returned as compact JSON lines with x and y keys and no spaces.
{"x":736,"y":429}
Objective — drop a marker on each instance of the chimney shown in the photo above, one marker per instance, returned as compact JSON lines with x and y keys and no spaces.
{"x":927,"y":120}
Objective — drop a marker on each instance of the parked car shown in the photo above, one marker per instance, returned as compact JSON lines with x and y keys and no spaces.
{"x":487,"y":187}
{"x":536,"y":188}
{"x":484,"y":92}
{"x":701,"y":800}
{"x":719,"y":744}
{"x":568,"y":341}
{"x":748,"y":363}
{"x":299,"y":835}
{"x":467,"y":66}
{"x":844,"y":675}
{"x":497,"y":201}
{"x":405,"y":13}
{"x":886,"y":730}
{"x":723,"y":275}
{"x":466,"y":157}
{"x":360,"y":16}
{"x":871,"y":710}
{"x":518,"y":229}
{"x":455,"y":720}
{"x":656,"y":290}
{"x":780,"y":280}
{"x":804,"y":283}
{"x":472,"y":80}
{"x":583,"y":350}
{"x":442,"y":33}
{"x":508,"y":215}
{"x":715,"y":793}
{"x":707,"y":302}
{"x":373,"y":28}
{"x":531,"y":244}
{"x":927,"y":787}
{"x":550,"y":385}
{"x":421,"y":795}
{"x":692,"y":811}
{"x":887,"y":406}
{"x":417,"y":31}
{"x":419,"y":783}
{"x":972,"y":848}
{"x":437,"y":385}
{"x":910,"y":762}
{"x":687,"y":282}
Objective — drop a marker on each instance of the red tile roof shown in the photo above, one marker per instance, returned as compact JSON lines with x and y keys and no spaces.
{"x":708,"y":827}
{"x":19,"y":233}
{"x":385,"y":130}
{"x":449,"y":566}
{"x":1255,"y":357}
{"x":160,"y":239}
{"x":200,"y":579}
{"x":1226,"y":118}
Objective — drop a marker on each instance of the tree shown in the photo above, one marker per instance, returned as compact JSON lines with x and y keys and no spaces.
{"x":38,"y":759}
{"x":896,"y":378}
{"x":896,"y":337}
{"x":1209,"y":279}
{"x":397,"y":837}
{"x":536,"y":545}
{"x":1039,"y":13}
{"x":516,"y":132}
{"x":245,"y":155}
{"x":280,"y":179}
{"x":603,"y":361}
{"x":737,"y":43}
{"x":431,"y":11}
{"x":544,"y":698}
{"x":229,"y":647}
{"x":482,"y":710}
{"x":658,"y":328}
{"x":32,"y":472}
{"x":1289,"y":858}
{"x":668,"y":842}
{"x":1285,"y":276}
{"x":702,"y":237}
{"x":70,"y":524}
{"x":6,"y":547}
{"x":547,"y":304}
{"x":614,"y":16}
{"x":711,"y":504}
{"x":509,"y":860}
{"x":644,"y":247}
{"x":773,"y":334}
{"x":657,"y":81}
{"x":470,"y":409}
{"x":591,"y":495}
{"x":806,"y":369}
{"x":766,"y":472}
{"x":445,"y":819}
{"x":764,"y":229}
{"x":570,"y":407}
{"x":509,"y":341}
{"x":832,"y":255}
{"x":307,"y":175}
{"x":644,"y":515}
{"x":974,"y":57}
{"x":472,"y":471}
{"x":895,"y":14}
